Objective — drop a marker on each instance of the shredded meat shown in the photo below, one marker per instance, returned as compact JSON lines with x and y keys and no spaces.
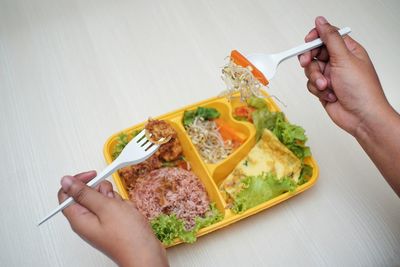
{"x":171,"y":191}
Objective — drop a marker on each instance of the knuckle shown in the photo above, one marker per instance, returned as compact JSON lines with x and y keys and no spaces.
{"x":331,"y":30}
{"x":80,"y":194}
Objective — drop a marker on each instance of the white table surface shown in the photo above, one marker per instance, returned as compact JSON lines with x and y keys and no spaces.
{"x":74,"y":72}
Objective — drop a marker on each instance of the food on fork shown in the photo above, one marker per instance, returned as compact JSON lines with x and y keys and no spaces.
{"x":240,"y":76}
{"x":166,"y":192}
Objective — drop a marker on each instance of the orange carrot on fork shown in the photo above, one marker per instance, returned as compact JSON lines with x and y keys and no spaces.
{"x":239,"y":59}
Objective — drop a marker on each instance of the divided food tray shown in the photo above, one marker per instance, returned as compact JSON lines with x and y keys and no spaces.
{"x":211,"y":175}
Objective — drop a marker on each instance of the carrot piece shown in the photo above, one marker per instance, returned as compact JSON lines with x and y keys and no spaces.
{"x":239,"y":59}
{"x":244,"y":112}
{"x":227,"y":132}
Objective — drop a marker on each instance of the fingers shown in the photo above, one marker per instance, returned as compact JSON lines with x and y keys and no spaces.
{"x":85,"y":176}
{"x":307,"y":57}
{"x":314,"y":73}
{"x":83,"y":194}
{"x":333,"y":41}
{"x":320,"y":53}
{"x":106,"y":189}
{"x":324,"y":95}
{"x":317,"y":83}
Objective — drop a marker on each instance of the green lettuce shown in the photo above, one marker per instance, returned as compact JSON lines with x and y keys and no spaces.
{"x":122,"y":140}
{"x":257,"y":102}
{"x":259,"y":189}
{"x":168,"y":227}
{"x":205,"y":113}
{"x":292,"y":136}
{"x":305,"y":174}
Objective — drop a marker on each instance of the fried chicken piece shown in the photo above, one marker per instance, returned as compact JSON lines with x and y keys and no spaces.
{"x":161,"y":129}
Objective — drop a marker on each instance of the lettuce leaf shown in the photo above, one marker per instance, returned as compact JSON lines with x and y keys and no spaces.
{"x":259,"y":189}
{"x":205,"y":113}
{"x":212,"y":216}
{"x":305,"y":174}
{"x":168,"y":227}
{"x":257,"y":102}
{"x":122,"y":140}
{"x":292,"y":136}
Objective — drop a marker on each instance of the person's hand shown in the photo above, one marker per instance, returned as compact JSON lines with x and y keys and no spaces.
{"x":110,"y":224}
{"x":342,"y":76}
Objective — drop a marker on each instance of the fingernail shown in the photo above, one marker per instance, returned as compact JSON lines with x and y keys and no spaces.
{"x":320,"y":83}
{"x":332,"y":97}
{"x":321,"y":20}
{"x":110,"y":194}
{"x":66,"y":182}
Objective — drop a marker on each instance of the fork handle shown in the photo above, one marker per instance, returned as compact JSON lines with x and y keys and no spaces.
{"x":307,"y":46}
{"x":110,"y":169}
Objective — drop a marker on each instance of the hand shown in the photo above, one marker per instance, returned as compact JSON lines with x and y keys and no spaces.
{"x":110,"y":224}
{"x":342,"y":76}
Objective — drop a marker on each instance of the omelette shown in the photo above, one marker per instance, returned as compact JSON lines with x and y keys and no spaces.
{"x":269,"y":155}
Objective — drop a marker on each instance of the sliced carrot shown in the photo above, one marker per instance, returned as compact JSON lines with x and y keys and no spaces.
{"x":227,"y":132}
{"x":239,"y":59}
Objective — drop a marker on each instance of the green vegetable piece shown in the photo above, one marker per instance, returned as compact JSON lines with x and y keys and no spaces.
{"x":168,"y":227}
{"x":188,"y":117}
{"x":212,"y":216}
{"x":257,"y":102}
{"x":259,"y":189}
{"x":205,"y":113}
{"x":292,"y":136}
{"x":122,"y":140}
{"x":305,"y":175}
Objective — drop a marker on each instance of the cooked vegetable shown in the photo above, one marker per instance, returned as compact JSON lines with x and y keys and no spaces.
{"x":208,"y":140}
{"x":229,"y":133}
{"x":205,"y":113}
{"x":240,"y":60}
{"x":259,"y":189}
{"x":240,"y":76}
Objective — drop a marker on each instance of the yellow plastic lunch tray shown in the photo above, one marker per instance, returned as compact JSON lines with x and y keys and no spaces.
{"x":212,"y":175}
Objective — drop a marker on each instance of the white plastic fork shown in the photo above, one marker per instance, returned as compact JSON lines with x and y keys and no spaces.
{"x":268,"y":64}
{"x":137,"y":150}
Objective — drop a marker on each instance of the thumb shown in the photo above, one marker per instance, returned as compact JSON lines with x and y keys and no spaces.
{"x":330,"y":36}
{"x":83,"y":194}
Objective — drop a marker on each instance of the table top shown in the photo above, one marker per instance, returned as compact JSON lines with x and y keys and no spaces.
{"x":72,"y":73}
